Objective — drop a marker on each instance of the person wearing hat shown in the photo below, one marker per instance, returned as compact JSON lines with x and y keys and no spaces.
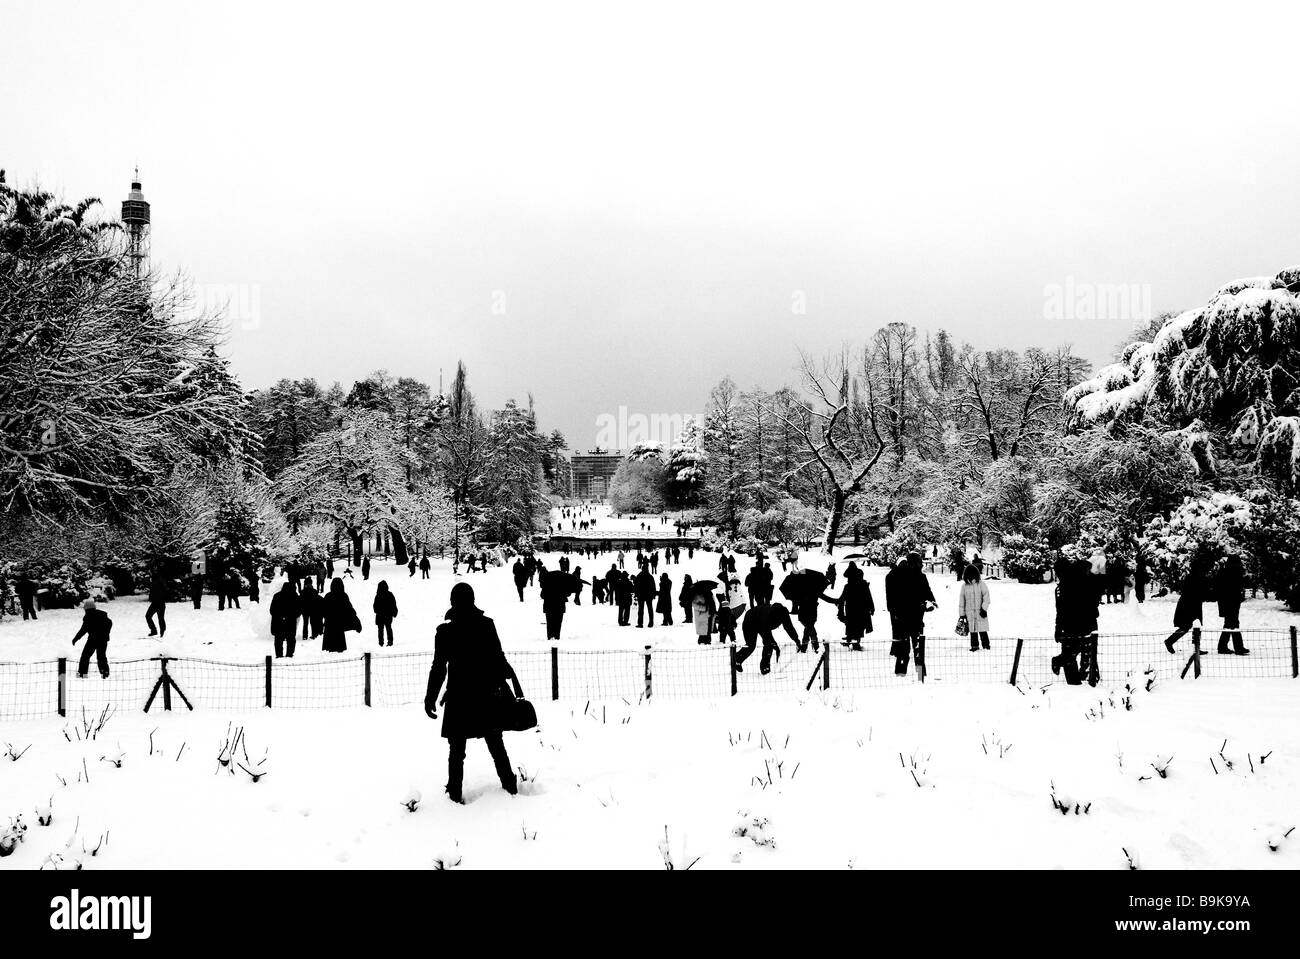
{"x":466,"y":648}
{"x":95,"y":626}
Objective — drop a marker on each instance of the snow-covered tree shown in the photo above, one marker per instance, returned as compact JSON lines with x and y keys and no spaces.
{"x":724,"y":481}
{"x":638,"y":487}
{"x":1228,"y":368}
{"x":686,"y":466}
{"x":513,"y":492}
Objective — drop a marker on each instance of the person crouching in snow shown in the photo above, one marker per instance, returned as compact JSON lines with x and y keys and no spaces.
{"x":467,"y":648}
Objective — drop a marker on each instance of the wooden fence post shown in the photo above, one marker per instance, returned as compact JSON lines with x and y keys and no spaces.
{"x":166,"y":687}
{"x":367,"y":695}
{"x":649,"y":686}
{"x":1295,"y":656}
{"x":63,"y":678}
{"x":555,"y":672}
{"x":731,"y":647}
{"x":826,"y":668}
{"x":1015,"y":663}
{"x":268,"y":682}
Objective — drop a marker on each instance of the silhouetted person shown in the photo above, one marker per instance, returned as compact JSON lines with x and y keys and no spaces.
{"x":856,"y":606}
{"x":26,"y":591}
{"x":340,"y":618}
{"x":385,"y":607}
{"x":645,"y":595}
{"x":365,"y":569}
{"x":410,"y":565}
{"x":468,"y":650}
{"x":1190,"y":609}
{"x":1230,"y":589}
{"x":425,"y":566}
{"x":157,"y":606}
{"x":521,"y":578}
{"x":196,"y":590}
{"x":309,"y":608}
{"x":556,"y":587}
{"x":96,"y":627}
{"x":284,"y":620}
{"x":763,"y":621}
{"x":664,"y":605}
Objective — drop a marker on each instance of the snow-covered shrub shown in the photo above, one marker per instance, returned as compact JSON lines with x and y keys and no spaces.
{"x":1273,"y":541}
{"x":886,"y":550}
{"x":1026,"y":560}
{"x":1202,"y":532}
{"x":60,"y":586}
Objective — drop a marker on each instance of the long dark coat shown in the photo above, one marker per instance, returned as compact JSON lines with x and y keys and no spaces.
{"x":340,"y":617}
{"x":467,"y":654}
{"x":856,"y":607}
{"x":1189,"y":608}
{"x":385,"y":607}
{"x":284,"y":613}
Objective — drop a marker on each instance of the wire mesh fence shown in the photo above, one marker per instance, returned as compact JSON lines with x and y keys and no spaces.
{"x":34,"y":690}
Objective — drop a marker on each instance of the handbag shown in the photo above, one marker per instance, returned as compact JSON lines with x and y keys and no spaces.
{"x":963,"y":626}
{"x":515,"y":715}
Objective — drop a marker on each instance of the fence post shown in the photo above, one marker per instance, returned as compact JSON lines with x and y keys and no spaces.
{"x":1196,"y":652}
{"x":731,"y":647}
{"x":1295,"y":656}
{"x":649,"y":688}
{"x":826,"y":668}
{"x":63,"y":677}
{"x":367,"y":693}
{"x":268,"y":682}
{"x":166,"y":686}
{"x":555,"y":672}
{"x":1015,"y":663}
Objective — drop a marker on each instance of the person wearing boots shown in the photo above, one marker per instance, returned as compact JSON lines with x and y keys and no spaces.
{"x":96,"y":627}
{"x":467,"y":654}
{"x":763,"y":621}
{"x":157,"y":606}
{"x":1230,"y":589}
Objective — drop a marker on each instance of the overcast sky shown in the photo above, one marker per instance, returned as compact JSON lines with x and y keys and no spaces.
{"x":615,"y":204}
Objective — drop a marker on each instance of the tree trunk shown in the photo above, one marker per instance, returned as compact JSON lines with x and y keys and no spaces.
{"x":838,"y":499}
{"x":399,"y":546}
{"x":357,"y":549}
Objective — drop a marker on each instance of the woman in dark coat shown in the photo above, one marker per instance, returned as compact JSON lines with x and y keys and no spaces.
{"x":1230,"y":590}
{"x":385,"y":607}
{"x":466,"y":649}
{"x":685,"y":597}
{"x":309,"y":608}
{"x":340,"y":617}
{"x":284,"y":620}
{"x":1190,"y":609}
{"x":664,"y":606}
{"x":856,"y":606}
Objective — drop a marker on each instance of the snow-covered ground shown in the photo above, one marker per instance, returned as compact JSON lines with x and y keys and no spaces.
{"x":823,"y":780}
{"x":874,"y":772}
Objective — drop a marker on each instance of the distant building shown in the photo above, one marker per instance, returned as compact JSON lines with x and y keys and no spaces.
{"x":592,"y":472}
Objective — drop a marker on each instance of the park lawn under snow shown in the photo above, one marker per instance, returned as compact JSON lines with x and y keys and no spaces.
{"x":823,"y":780}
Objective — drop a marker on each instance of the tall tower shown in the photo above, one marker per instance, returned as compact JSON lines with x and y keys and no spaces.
{"x":135,"y":217}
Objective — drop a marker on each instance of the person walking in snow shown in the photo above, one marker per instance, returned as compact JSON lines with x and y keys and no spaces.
{"x":26,"y":590}
{"x":908,"y":597}
{"x":467,"y":655}
{"x":1190,"y":609}
{"x":521,"y":578}
{"x":340,"y":618}
{"x":684,"y":597}
{"x":1230,"y":589}
{"x":285,"y":608}
{"x":973,"y":604}
{"x":196,"y":590}
{"x":410,"y":565}
{"x":385,"y":607}
{"x":856,"y":606}
{"x":96,"y":627}
{"x":425,"y":566}
{"x":623,"y":596}
{"x":365,"y":569}
{"x":157,"y":605}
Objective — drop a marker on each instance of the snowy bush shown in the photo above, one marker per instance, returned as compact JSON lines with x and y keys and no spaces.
{"x":60,"y":586}
{"x":886,"y":550}
{"x":1203,"y":531}
{"x":1026,"y":560}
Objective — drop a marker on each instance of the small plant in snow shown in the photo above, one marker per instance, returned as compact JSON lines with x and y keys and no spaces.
{"x":45,"y":814}
{"x":754,"y":828}
{"x":528,"y":836}
{"x":449,"y":859}
{"x":1066,"y":804}
{"x":1132,"y":857}
{"x":918,"y":766}
{"x":1275,"y":840}
{"x":14,"y":755}
{"x":412,"y":800}
{"x":994,"y":746}
{"x":12,"y":835}
{"x":114,"y":758}
{"x":1161,"y":766}
{"x":55,"y":862}
{"x":670,"y":862}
